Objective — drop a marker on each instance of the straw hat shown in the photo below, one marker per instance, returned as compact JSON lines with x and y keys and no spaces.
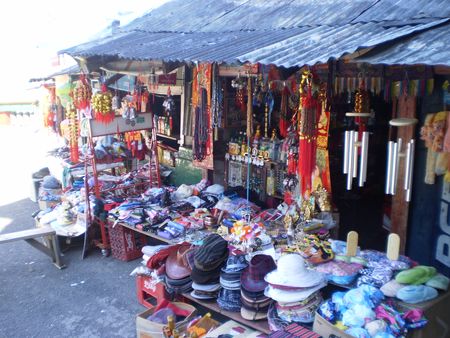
{"x":291,"y":272}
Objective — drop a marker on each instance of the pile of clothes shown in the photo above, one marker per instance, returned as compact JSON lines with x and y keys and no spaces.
{"x":295,"y":289}
{"x":362,"y":313}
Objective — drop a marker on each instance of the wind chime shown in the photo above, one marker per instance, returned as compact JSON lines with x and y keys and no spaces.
{"x":357,"y":142}
{"x":395,"y":154}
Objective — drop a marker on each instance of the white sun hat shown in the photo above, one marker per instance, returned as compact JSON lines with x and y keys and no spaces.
{"x":291,"y":272}
{"x":295,"y":295}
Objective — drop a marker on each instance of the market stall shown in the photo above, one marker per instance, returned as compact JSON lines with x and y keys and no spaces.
{"x":257,"y":239}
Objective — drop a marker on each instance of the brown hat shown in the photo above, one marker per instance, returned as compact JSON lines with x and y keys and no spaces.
{"x":177,"y":266}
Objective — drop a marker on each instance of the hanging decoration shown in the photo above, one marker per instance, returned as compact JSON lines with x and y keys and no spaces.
{"x":395,"y":154}
{"x":404,"y":121}
{"x":201,"y":128}
{"x":268,"y":109}
{"x":357,"y":142}
{"x":73,"y":133}
{"x":128,"y":110}
{"x":216,"y":100}
{"x":309,"y":112}
{"x":239,"y":84}
{"x":82,"y":93}
{"x":169,"y":108}
{"x":102,"y":105}
{"x":284,"y":122}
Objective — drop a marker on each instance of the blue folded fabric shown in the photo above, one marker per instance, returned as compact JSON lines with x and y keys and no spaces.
{"x":416,"y":293}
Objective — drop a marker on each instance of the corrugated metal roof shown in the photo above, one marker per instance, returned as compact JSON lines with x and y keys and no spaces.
{"x":235,"y":15}
{"x":229,"y":15}
{"x":430,"y":47}
{"x":282,"y":47}
{"x":401,"y":10}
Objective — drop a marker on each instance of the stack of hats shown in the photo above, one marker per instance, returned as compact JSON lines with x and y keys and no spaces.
{"x":208,"y":261}
{"x":230,"y":280}
{"x":255,"y":303}
{"x":178,"y":270}
{"x":295,"y":289}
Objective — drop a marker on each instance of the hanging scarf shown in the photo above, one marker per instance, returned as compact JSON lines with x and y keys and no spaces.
{"x":310,"y":110}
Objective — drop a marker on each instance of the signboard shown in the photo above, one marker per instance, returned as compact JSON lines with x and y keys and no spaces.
{"x":168,"y":79}
{"x":143,"y":121}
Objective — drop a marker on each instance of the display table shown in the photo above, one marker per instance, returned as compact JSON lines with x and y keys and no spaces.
{"x":147,"y":233}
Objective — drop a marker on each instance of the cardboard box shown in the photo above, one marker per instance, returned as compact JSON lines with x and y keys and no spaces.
{"x":233,"y":329}
{"x":46,"y":204}
{"x":437,"y":311}
{"x":148,"y":329}
{"x":326,"y":329}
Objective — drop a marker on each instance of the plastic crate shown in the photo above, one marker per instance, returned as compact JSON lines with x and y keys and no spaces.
{"x":125,"y":244}
{"x":148,"y":293}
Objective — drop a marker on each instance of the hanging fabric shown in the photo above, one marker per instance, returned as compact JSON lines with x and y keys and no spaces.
{"x":309,"y":112}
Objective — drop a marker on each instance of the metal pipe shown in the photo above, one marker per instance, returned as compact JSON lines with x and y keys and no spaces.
{"x":389,"y":168}
{"x":407,"y":164}
{"x":411,"y":170}
{"x":346,"y":144}
{"x":351,"y":149}
{"x":394,"y":168}
{"x":355,"y":153}
{"x":364,"y":156}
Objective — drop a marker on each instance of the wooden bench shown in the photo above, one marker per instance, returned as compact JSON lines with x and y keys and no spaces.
{"x":50,"y":248}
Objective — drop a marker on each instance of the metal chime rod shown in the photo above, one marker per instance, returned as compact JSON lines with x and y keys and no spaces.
{"x":394,"y":169}
{"x":346,"y":151}
{"x":351,"y":158}
{"x":364,"y":156}
{"x":355,"y":153}
{"x":389,"y":167}
{"x":409,"y":169}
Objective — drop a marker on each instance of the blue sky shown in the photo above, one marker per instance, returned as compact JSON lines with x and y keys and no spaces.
{"x":33,"y":31}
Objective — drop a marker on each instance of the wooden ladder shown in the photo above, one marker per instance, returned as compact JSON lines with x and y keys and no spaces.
{"x":155,"y":176}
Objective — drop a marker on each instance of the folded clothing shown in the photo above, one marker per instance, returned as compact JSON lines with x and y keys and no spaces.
{"x":416,"y":293}
{"x":418,"y":275}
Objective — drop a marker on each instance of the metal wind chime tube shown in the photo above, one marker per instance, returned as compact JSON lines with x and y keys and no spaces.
{"x":389,"y":168}
{"x":364,"y":157}
{"x":355,"y":153}
{"x":350,"y":149}
{"x":395,"y":154}
{"x":346,"y":151}
{"x":409,"y":169}
{"x":351,"y":152}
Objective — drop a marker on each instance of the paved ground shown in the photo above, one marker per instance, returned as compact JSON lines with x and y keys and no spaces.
{"x":94,"y":297}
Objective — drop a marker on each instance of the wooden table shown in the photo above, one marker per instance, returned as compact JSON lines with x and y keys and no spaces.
{"x":147,"y":233}
{"x":261,"y":325}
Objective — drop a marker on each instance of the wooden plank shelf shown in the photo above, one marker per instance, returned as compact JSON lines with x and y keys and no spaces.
{"x":259,"y":325}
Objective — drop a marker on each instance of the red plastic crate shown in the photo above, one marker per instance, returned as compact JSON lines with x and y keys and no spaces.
{"x":148,"y":293}
{"x":125,"y":244}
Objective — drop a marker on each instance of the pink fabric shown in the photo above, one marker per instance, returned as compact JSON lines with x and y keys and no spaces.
{"x":413,"y":315}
